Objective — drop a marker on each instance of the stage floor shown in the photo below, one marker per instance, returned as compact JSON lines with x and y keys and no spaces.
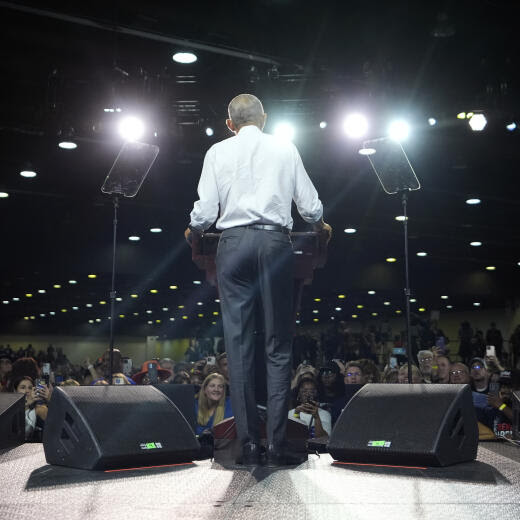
{"x":486,"y":488}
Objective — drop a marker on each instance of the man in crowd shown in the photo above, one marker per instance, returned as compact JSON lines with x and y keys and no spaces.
{"x":252,"y":178}
{"x":479,"y":376}
{"x":459,"y":374}
{"x":441,"y":369}
{"x":425,"y":359}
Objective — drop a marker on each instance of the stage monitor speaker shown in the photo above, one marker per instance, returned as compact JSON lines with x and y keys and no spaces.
{"x":183,"y":397}
{"x":403,"y":424}
{"x":106,"y":427}
{"x":12,"y":419}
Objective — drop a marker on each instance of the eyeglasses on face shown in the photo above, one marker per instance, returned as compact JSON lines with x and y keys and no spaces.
{"x":350,"y":374}
{"x":477,"y":367}
{"x":457,"y":372}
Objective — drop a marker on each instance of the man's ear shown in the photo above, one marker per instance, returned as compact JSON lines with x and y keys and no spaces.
{"x":265,"y":119}
{"x":231,"y":125}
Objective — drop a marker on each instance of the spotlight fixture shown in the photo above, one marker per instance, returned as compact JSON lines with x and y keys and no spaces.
{"x":399,"y":130}
{"x":284,"y":131}
{"x":184,"y":57}
{"x":478,"y":122}
{"x":28,"y":174}
{"x":355,"y":125}
{"x":131,"y":128}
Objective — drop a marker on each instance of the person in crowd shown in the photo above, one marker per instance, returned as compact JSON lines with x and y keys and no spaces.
{"x":308,"y":412}
{"x":330,"y":383}
{"x":370,"y":371}
{"x":425,"y":359}
{"x":440,"y":368}
{"x":222,"y":365}
{"x":5,"y":369}
{"x":69,"y":382}
{"x":102,"y":370}
{"x":35,"y":405}
{"x":143,"y":377}
{"x":479,"y":376}
{"x":168,"y":364}
{"x":212,"y":405}
{"x":196,"y":378}
{"x":181,"y":378}
{"x":390,"y":375}
{"x":494,"y":337}
{"x":402,"y":376}
{"x":354,"y":374}
{"x":25,"y":366}
{"x":459,"y":374}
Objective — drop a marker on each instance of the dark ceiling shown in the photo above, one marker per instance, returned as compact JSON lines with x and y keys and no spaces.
{"x":308,"y":62}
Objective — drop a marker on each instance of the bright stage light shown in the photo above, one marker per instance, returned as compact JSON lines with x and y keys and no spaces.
{"x":432,"y":121}
{"x":511,"y":126}
{"x":131,"y":128}
{"x":355,"y":125}
{"x":399,"y":130}
{"x":284,"y":131}
{"x":478,"y":122}
{"x":473,"y":201}
{"x":367,"y":151}
{"x":209,"y":131}
{"x":67,"y":145}
{"x":323,"y":124}
{"x":184,"y":57}
{"x":28,"y":174}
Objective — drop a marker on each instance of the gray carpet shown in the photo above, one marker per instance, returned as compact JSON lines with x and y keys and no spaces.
{"x":487,"y":488}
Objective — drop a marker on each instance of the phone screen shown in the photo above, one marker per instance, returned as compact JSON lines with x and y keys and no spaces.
{"x":152,"y":373}
{"x":490,"y":350}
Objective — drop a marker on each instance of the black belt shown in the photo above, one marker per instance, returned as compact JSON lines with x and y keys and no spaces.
{"x":269,"y":227}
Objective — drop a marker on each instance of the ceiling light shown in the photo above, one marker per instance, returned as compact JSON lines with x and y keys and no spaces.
{"x":148,"y":311}
{"x":323,"y":124}
{"x":119,"y":299}
{"x":478,"y":122}
{"x":155,"y":230}
{"x":391,"y":259}
{"x":67,"y":145}
{"x":399,"y":130}
{"x":102,"y":302}
{"x":354,"y":316}
{"x":134,"y":295}
{"x":28,"y":174}
{"x":5,"y":302}
{"x":341,"y":296}
{"x":200,"y":303}
{"x":475,"y":244}
{"x":461,"y":115}
{"x":421,"y":309}
{"x":72,"y":282}
{"x":315,"y":311}
{"x":172,"y":318}
{"x":173,"y":287}
{"x":215,"y":313}
{"x":200,"y":315}
{"x":42,"y":291}
{"x":473,"y":201}
{"x":449,"y":306}
{"x":63,"y":310}
{"x":432,"y":121}
{"x":355,"y":125}
{"x":92,"y":276}
{"x":154,"y":291}
{"x":371,"y":292}
{"x":350,"y":230}
{"x":218,"y":301}
{"x":16,"y":299}
{"x":366,"y":151}
{"x":197,"y":282}
{"x":444,"y":297}
{"x":398,"y":311}
{"x":284,"y":131}
{"x":180,"y":307}
{"x":184,"y":57}
{"x":359,"y":306}
{"x":337,"y":309}
{"x":3,"y":195}
{"x":422,"y":253}
{"x":412,"y":300}
{"x":134,"y":238}
{"x":476,"y":304}
{"x":490,"y":268}
{"x":374,"y":314}
{"x":185,"y":317}
{"x":165,"y":309}
{"x":511,"y":126}
{"x":401,"y":218}
{"x":52,"y":313}
{"x":149,"y":322}
{"x":91,"y":321}
{"x":315,"y":320}
{"x":88,"y":305}
{"x":317,"y":299}
{"x":57,"y":286}
{"x":75,"y":308}
{"x":131,"y":128}
{"x":28,"y":295}
{"x":386,"y":303}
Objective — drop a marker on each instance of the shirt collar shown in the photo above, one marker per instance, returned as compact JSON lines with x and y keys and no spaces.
{"x":249,"y":129}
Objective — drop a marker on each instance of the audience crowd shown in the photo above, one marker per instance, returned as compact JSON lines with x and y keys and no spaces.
{"x":328,"y":369}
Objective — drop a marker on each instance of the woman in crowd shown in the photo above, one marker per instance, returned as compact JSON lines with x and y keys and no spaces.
{"x":35,"y":405}
{"x":308,"y":412}
{"x":403,"y":374}
{"x":212,"y":406}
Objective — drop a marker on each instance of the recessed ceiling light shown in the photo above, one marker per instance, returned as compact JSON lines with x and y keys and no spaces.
{"x":165,"y":309}
{"x":121,"y":315}
{"x":72,"y":282}
{"x":88,"y":305}
{"x":315,"y":320}
{"x":16,"y":299}
{"x":52,"y":313}
{"x":42,"y":291}
{"x":341,"y":296}
{"x":476,"y":304}
{"x":444,"y":297}
{"x":28,"y":174}
{"x":63,"y":310}
{"x":323,"y":124}
{"x":134,"y":238}
{"x":317,"y":299}
{"x":5,"y":302}
{"x":401,"y":218}
{"x":75,"y":308}
{"x":412,"y":300}
{"x":172,"y":318}
{"x":337,"y":309}
{"x":315,"y":311}
{"x":57,"y":286}
{"x":354,"y":316}
{"x":136,"y":314}
{"x":200,"y":315}
{"x":91,"y":321}
{"x":185,"y":317}
{"x":359,"y":306}
{"x":218,"y":301}
{"x":3,"y":195}
{"x":173,"y":287}
{"x":391,"y":259}
{"x":398,"y":311}
{"x":197,"y":282}
{"x":92,"y":276}
{"x":386,"y":303}
{"x":180,"y":306}
{"x":371,"y":292}
{"x":475,"y":244}
{"x":67,"y":145}
{"x":148,"y":311}
{"x":200,"y":303}
{"x":28,"y":295}
{"x":184,"y":57}
{"x":374,"y":314}
{"x":490,"y":268}
{"x":473,"y":201}
{"x":432,"y":121}
{"x":350,"y":230}
{"x":119,"y":299}
{"x":422,"y":253}
{"x":149,"y":322}
{"x":511,"y":126}
{"x":215,"y":313}
{"x":154,"y":291}
{"x":449,"y":306}
{"x":42,"y":315}
{"x":477,"y":122}
{"x":421,"y":309}
{"x":155,"y":230}
{"x":209,"y":131}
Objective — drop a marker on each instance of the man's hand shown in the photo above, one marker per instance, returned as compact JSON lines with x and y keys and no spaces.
{"x":323,"y":228}
{"x":311,"y":408}
{"x":188,"y":236}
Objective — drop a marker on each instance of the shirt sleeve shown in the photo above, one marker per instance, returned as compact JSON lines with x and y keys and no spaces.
{"x":305,"y":195}
{"x":205,"y":210}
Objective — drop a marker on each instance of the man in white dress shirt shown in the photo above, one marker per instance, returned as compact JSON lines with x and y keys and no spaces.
{"x":252,"y":179}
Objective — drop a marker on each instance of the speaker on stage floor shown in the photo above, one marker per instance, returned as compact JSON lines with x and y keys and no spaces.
{"x":12,"y":419}
{"x":183,"y":397}
{"x":103,"y":427}
{"x":403,"y":424}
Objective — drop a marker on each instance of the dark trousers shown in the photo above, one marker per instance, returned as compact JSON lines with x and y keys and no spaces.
{"x":254,"y":271}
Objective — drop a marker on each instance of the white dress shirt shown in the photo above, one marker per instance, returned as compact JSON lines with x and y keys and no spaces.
{"x":254,"y":178}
